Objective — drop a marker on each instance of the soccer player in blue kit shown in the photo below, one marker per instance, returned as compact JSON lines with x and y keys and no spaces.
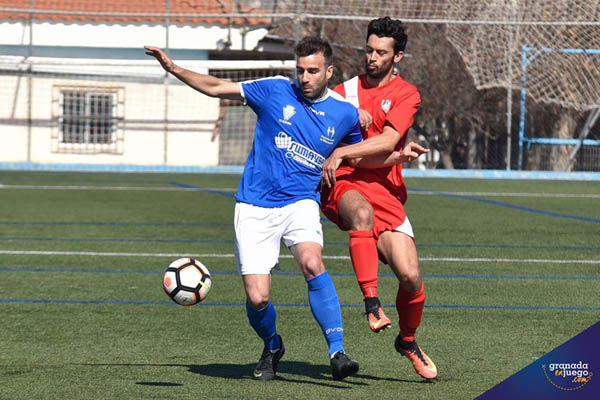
{"x":300,"y":122}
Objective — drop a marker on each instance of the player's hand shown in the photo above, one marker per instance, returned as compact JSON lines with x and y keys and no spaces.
{"x":162,"y":57}
{"x":365,"y":119}
{"x":411,"y":152}
{"x":329,"y":167}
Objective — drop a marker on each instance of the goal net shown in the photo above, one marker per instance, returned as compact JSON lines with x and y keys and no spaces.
{"x":551,"y":49}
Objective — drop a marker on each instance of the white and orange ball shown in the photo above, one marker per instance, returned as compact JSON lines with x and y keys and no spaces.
{"x":186,"y":281}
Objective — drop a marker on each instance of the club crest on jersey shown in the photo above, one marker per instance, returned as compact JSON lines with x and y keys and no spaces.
{"x":385,"y":105}
{"x":328,"y":138}
{"x":288,"y":112}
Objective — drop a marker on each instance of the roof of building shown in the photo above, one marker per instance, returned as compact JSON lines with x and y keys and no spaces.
{"x":133,"y":7}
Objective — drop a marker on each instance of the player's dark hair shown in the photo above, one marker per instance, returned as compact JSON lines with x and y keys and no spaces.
{"x":387,"y":27}
{"x":313,"y":45}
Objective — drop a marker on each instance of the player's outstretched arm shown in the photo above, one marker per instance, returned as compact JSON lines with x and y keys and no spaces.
{"x":409,"y":153}
{"x":206,"y":84}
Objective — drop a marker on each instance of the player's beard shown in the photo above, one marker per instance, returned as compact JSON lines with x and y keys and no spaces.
{"x":379,"y":73}
{"x":315,"y":92}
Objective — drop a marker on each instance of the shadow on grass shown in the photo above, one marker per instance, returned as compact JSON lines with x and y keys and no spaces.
{"x":287,"y":371}
{"x":165,"y":384}
{"x":323,"y":372}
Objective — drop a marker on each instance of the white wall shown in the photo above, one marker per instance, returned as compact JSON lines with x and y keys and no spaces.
{"x":142,"y":143}
{"x":13,"y":105}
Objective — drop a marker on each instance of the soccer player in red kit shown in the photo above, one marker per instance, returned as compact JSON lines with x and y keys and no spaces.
{"x":369,"y":200}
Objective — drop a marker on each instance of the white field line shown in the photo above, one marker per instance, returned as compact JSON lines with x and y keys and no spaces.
{"x":232,"y":190}
{"x":326,"y":257}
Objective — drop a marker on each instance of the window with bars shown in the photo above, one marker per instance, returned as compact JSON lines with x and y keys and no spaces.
{"x":88,"y":117}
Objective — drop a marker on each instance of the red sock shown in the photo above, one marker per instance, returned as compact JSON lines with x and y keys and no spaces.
{"x":363,"y":252}
{"x":410,"y":310}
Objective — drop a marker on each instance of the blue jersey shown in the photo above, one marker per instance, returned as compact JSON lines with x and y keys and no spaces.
{"x":292,"y":139}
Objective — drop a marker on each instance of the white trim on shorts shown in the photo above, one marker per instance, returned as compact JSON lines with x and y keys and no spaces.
{"x":259,"y":232}
{"x":406,"y":228}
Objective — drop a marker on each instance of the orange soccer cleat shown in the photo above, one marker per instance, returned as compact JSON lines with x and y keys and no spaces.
{"x":420,"y":361}
{"x":375,"y":315}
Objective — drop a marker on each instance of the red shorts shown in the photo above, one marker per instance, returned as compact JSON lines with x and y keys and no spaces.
{"x":388,"y":210}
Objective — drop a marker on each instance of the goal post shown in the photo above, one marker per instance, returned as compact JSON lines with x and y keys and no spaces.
{"x":560,"y":95}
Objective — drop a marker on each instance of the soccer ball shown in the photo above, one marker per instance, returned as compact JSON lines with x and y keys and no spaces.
{"x":186,"y":281}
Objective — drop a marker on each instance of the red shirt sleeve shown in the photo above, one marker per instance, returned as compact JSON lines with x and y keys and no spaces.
{"x":402,"y":114}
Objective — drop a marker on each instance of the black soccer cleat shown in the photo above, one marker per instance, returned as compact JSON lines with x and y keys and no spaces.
{"x":342,"y":366}
{"x":267,"y":365}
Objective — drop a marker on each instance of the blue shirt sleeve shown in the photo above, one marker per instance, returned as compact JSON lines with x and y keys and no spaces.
{"x":354,"y":135}
{"x":256,"y":92}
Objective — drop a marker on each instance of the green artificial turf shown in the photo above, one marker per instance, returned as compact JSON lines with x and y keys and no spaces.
{"x":511,"y":269}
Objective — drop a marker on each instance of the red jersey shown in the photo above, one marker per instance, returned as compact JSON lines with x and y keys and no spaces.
{"x":394,"y":103}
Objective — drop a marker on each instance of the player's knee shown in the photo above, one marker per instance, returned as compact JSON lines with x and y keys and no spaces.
{"x":363,"y":217}
{"x":257,"y":300}
{"x":312,"y":265}
{"x":411,"y":281}
{"x":360,"y":218}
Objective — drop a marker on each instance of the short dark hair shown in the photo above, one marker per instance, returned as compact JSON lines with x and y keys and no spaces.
{"x":387,"y":27}
{"x":313,"y":45}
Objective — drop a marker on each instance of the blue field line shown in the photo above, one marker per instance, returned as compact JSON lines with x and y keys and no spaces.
{"x":512,"y":206}
{"x":291,"y":273}
{"x":201,"y":189}
{"x":492,"y":276}
{"x":500,"y":307}
{"x":461,"y":196}
{"x":132,"y":223}
{"x":73,"y":179}
{"x":112,"y":223}
{"x":327,"y":243}
{"x":59,"y":301}
{"x":302,"y":305}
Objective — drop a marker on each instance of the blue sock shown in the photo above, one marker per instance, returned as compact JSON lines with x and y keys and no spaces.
{"x":325,"y":307}
{"x":263,"y":322}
